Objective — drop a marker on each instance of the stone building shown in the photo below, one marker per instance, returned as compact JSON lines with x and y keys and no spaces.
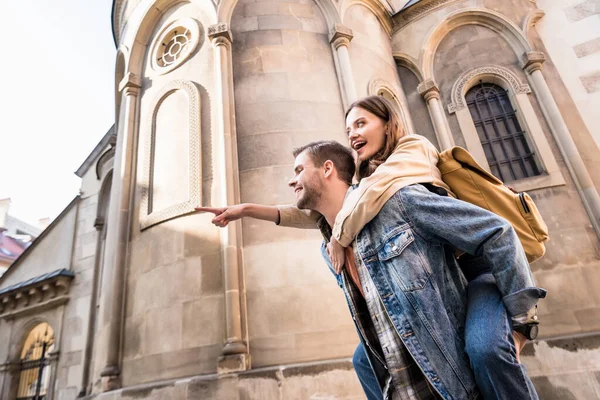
{"x":129,"y":294}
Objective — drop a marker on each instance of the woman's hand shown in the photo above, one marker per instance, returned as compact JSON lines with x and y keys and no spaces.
{"x":520,"y":341}
{"x":224,"y":215}
{"x":337,"y":255}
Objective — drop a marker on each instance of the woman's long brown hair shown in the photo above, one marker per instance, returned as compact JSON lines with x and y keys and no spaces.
{"x":384,"y":110}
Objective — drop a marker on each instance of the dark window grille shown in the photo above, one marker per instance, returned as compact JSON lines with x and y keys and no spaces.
{"x":508,"y":154}
{"x":33,"y":379}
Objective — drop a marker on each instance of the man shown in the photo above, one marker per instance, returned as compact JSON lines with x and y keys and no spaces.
{"x":405,"y":289}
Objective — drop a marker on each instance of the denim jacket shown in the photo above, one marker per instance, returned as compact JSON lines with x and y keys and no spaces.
{"x":408,"y":250}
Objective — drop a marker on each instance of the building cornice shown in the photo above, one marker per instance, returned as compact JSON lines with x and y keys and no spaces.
{"x":42,"y":292}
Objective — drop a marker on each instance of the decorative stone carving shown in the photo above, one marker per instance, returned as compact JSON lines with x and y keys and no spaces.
{"x":174,"y":44}
{"x":462,"y":84}
{"x":428,"y":89}
{"x":43,"y":291}
{"x":533,"y":60}
{"x":219,"y":34}
{"x":375,"y":85}
{"x":418,"y":10}
{"x":340,"y":36}
{"x":149,"y":216}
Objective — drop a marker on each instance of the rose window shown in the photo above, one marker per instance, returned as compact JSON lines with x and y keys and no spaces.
{"x":174,"y":44}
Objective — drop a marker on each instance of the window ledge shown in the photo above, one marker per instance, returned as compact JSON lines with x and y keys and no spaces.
{"x":538,"y":182}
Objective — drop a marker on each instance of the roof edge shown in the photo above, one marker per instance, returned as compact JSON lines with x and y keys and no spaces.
{"x":40,"y":238}
{"x":98,"y":150}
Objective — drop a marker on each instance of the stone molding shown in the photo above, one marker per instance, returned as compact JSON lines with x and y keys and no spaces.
{"x":42,"y":294}
{"x":147,"y":218}
{"x":340,"y":36}
{"x":428,"y":89}
{"x":220,"y":34}
{"x":377,"y":84}
{"x":533,"y":60}
{"x":118,"y":10}
{"x":417,"y":11}
{"x":130,"y":81}
{"x":462,"y":83}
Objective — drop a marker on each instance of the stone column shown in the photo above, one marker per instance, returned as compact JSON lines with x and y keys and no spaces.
{"x":431,"y":93}
{"x":340,"y":39}
{"x":234,"y":356}
{"x":532,"y":64}
{"x":91,"y":328}
{"x":117,"y":235}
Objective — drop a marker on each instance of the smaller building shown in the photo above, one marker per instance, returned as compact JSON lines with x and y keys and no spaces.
{"x":15,"y":236}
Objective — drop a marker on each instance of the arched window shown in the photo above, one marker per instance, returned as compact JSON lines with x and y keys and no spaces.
{"x":503,"y":140}
{"x":35,"y":360}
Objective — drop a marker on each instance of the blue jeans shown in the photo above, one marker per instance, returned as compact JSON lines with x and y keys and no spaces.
{"x":365,"y":374}
{"x":489,"y":344}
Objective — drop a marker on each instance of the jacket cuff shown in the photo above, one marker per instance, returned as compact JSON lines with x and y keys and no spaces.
{"x":523,"y":300}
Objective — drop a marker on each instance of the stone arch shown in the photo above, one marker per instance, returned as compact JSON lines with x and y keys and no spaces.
{"x":227,"y":7}
{"x":476,"y":16}
{"x":141,"y":24}
{"x":117,"y":17}
{"x":381,"y":87}
{"x":148,"y":215}
{"x":530,"y":20}
{"x":407,"y":61}
{"x":120,"y":71}
{"x":501,"y":76}
{"x":22,"y":329}
{"x":382,"y":14}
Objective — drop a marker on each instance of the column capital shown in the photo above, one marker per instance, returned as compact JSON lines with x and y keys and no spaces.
{"x":533,"y":60}
{"x":429,"y":89}
{"x":130,"y":83}
{"x":340,"y":35}
{"x":219,"y":34}
{"x":99,"y":223}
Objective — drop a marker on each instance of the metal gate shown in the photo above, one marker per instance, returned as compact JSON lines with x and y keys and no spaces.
{"x":33,"y":379}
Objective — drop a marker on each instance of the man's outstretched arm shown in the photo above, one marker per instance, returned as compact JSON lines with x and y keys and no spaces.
{"x":224,"y":215}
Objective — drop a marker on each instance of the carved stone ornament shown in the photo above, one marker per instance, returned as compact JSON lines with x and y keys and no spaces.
{"x":152,"y":217}
{"x":174,"y":44}
{"x":219,"y":31}
{"x":417,"y":11}
{"x":533,"y":60}
{"x":376,"y":85}
{"x":465,"y":80}
{"x":37,"y":293}
{"x":340,"y":36}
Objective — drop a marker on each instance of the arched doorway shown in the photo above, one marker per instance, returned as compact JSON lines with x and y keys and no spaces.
{"x":34,"y":375}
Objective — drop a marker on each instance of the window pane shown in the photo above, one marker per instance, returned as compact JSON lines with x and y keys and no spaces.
{"x":502,"y":138}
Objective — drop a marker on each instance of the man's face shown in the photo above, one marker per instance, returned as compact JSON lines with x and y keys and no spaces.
{"x":307,"y":182}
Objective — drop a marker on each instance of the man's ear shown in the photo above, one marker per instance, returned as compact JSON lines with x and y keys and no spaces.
{"x":328,"y":168}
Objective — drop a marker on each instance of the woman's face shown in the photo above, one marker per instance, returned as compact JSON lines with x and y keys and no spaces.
{"x":366,"y":132}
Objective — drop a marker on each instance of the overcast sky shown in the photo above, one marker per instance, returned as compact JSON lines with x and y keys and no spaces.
{"x":56,"y":80}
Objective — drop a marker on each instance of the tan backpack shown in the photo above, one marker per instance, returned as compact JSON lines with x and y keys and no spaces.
{"x":471,"y":183}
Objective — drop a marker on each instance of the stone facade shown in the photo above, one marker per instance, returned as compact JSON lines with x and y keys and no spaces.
{"x":211,"y":100}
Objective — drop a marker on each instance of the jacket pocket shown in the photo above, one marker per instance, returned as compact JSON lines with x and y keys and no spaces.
{"x":400,"y":258}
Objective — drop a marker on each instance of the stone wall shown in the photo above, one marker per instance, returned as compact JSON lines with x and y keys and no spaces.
{"x":570,"y":31}
{"x":174,"y":311}
{"x":286,"y":95}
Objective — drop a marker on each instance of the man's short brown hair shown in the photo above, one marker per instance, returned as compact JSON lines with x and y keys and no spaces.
{"x":340,"y":155}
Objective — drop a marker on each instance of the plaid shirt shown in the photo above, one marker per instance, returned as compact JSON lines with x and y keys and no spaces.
{"x":404,"y":380}
{"x":408,"y":380}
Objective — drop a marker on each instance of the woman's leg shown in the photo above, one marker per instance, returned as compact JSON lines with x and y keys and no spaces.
{"x":490,"y":346}
{"x":365,"y":374}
